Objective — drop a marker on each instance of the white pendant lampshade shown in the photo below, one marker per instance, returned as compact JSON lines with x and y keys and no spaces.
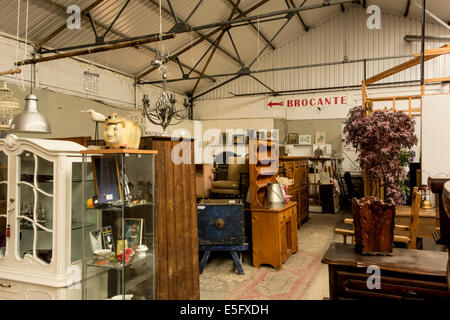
{"x":30,"y":120}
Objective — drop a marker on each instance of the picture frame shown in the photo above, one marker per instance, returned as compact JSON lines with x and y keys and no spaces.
{"x":133,"y":231}
{"x":321,"y":137}
{"x":108,"y":239}
{"x":305,"y":139}
{"x":251,"y":133}
{"x":239,"y":139}
{"x":292,"y":138}
{"x":106,"y":179}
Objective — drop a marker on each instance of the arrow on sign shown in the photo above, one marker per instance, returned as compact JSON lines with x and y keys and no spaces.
{"x":281,"y":104}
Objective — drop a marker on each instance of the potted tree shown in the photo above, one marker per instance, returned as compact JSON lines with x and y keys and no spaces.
{"x":382,"y":140}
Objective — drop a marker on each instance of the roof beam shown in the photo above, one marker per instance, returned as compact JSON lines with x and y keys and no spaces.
{"x":197,"y":42}
{"x":429,"y":54}
{"x":64,"y":26}
{"x":187,"y":27}
{"x":115,"y":32}
{"x":193,"y":11}
{"x":273,"y":38}
{"x":408,"y":5}
{"x":433,"y":16}
{"x":266,"y":39}
{"x":298,"y":13}
{"x":215,"y":47}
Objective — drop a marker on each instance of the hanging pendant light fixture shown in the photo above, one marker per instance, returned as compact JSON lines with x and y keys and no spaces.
{"x":164,"y":111}
{"x":30,"y":120}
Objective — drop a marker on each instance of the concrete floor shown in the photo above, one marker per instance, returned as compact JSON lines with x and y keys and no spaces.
{"x":220,"y":281}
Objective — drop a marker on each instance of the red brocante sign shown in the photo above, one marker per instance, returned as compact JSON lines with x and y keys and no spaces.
{"x":311,"y":102}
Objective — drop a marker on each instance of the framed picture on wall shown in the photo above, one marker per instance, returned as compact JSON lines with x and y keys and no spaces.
{"x":292,"y":138}
{"x":320,"y":137}
{"x":239,"y":139}
{"x":251,"y":133}
{"x":260,"y":134}
{"x":305,"y":139}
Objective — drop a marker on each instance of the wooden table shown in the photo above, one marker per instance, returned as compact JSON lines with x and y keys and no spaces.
{"x":428,"y":221}
{"x":406,"y":275}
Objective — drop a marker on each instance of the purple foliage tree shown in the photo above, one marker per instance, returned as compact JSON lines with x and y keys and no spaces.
{"x":379,"y":139}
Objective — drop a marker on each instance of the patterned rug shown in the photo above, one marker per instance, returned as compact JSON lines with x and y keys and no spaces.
{"x":292,"y":282}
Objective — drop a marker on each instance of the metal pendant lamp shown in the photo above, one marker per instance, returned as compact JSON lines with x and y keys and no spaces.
{"x":30,"y":120}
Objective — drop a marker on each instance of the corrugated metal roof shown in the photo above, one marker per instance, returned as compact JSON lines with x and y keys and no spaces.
{"x":142,"y":17}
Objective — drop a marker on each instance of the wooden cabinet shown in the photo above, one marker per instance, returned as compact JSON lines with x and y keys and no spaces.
{"x":274,"y":235}
{"x":177,"y":260}
{"x":407,"y":275}
{"x":296,"y":168}
{"x":41,"y":213}
{"x":274,"y":231}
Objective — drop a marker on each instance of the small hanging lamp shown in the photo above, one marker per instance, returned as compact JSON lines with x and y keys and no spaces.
{"x":9,"y":107}
{"x":30,"y":120}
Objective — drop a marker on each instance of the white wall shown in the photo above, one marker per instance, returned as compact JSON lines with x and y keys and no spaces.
{"x":436,"y":143}
{"x":257,"y":107}
{"x":343,"y":35}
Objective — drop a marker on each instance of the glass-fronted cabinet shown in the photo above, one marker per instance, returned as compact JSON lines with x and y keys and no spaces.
{"x":118,"y":225}
{"x":40,"y":219}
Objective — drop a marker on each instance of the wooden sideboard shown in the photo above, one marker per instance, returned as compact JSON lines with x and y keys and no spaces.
{"x":406,"y":275}
{"x":274,"y":235}
{"x":296,"y":168}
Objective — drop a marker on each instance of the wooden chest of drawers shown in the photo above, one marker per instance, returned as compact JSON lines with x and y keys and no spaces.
{"x":296,"y":168}
{"x":407,"y":275}
{"x":274,"y":235}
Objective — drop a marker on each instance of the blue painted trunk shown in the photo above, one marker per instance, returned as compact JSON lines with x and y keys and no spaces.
{"x":220,"y":222}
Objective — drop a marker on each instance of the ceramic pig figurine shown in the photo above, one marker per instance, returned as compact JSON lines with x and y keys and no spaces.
{"x":121,"y":133}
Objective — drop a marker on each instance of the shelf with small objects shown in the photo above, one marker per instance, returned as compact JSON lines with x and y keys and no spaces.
{"x":118,"y":226}
{"x":274,"y":222}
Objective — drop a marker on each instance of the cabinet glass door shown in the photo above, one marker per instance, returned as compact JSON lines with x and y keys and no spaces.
{"x":3,"y":202}
{"x":119,"y":227}
{"x":35,"y":207}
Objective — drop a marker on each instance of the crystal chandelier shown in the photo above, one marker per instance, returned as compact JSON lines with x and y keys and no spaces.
{"x":164,"y":112}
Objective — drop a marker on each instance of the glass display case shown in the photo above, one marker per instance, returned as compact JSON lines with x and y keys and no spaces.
{"x":118,"y":224}
{"x":40,"y":219}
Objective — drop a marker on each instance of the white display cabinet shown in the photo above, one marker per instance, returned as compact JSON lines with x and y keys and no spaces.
{"x":40,"y":219}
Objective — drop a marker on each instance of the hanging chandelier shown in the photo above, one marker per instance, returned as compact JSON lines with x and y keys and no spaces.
{"x":9,"y":107}
{"x":164,"y":112}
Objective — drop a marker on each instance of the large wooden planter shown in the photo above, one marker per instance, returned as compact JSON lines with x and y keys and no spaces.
{"x":374,"y":222}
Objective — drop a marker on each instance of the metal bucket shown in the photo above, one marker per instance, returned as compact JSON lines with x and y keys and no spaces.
{"x":274,"y":198}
